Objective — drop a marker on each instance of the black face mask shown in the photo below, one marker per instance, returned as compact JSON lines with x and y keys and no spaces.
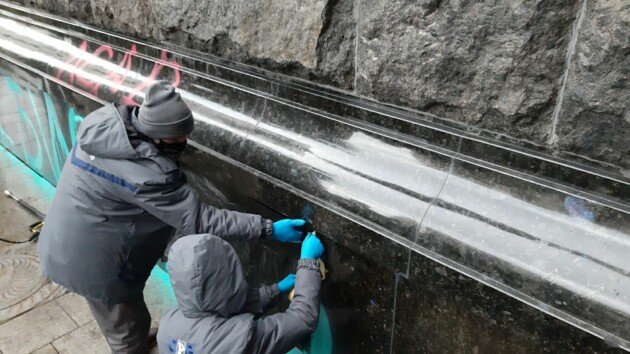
{"x":173,"y":148}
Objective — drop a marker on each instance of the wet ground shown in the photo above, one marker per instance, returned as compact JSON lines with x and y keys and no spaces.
{"x":36,"y":315}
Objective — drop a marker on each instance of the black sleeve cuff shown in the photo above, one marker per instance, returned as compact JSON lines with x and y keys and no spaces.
{"x":267,"y":229}
{"x":308,"y":263}
{"x":273,"y":291}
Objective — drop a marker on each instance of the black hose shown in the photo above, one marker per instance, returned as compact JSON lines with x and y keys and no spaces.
{"x":34,"y":227}
{"x":34,"y":236}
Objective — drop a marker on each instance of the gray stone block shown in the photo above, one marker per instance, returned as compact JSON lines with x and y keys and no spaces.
{"x":594,"y":119}
{"x":312,"y":39}
{"x":495,"y":65}
{"x":81,"y":10}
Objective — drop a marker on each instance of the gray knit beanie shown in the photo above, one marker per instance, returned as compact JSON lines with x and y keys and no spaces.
{"x":163,"y":113}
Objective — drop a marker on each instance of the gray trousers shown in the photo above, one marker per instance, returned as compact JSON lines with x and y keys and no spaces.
{"x":125,"y":325}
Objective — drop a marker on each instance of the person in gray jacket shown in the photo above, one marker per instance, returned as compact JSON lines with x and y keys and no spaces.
{"x":119,"y":200}
{"x":214,"y":314}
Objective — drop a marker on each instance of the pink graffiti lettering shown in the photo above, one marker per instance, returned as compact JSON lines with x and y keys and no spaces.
{"x":117,"y":79}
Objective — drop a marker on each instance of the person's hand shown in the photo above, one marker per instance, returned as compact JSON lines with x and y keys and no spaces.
{"x":288,"y":230}
{"x":287,"y":283}
{"x":312,"y":247}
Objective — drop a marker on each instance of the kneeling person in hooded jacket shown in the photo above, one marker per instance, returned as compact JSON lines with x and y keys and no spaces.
{"x":216,"y":310}
{"x":120,"y":198}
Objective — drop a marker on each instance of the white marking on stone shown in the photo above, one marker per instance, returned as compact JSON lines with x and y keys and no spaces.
{"x":553,"y":137}
{"x":356,"y":44}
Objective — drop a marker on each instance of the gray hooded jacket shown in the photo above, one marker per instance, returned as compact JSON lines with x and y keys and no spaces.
{"x":118,"y":201}
{"x":214,"y":313}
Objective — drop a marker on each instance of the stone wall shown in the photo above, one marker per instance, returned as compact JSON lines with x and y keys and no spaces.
{"x":396,"y":211}
{"x":551,"y":72}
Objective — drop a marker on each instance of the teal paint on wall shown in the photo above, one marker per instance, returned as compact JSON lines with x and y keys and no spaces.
{"x":35,"y":129}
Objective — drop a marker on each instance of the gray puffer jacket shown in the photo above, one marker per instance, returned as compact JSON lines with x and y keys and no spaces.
{"x":214,"y":313}
{"x":118,"y":201}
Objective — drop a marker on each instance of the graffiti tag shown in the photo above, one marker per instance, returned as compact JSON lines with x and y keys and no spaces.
{"x":117,"y":78}
{"x":36,"y":136}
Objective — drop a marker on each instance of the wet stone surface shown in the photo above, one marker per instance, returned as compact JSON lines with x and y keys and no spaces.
{"x":475,"y":318}
{"x":377,"y":191}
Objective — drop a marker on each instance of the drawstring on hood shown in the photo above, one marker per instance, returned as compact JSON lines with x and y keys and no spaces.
{"x":207,"y":276}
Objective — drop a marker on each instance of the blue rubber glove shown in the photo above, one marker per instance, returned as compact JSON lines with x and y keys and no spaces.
{"x":312,"y":247}
{"x":288,"y":230}
{"x":286,"y":284}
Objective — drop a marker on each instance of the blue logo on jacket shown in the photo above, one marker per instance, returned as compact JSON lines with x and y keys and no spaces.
{"x":178,"y":346}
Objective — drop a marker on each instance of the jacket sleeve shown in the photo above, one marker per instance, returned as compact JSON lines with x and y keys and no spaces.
{"x":281,"y":332}
{"x":267,"y":295}
{"x":259,"y":299}
{"x":178,"y":204}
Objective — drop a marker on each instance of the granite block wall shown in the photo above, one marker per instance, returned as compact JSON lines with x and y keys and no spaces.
{"x":436,"y":241}
{"x":552,"y":73}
